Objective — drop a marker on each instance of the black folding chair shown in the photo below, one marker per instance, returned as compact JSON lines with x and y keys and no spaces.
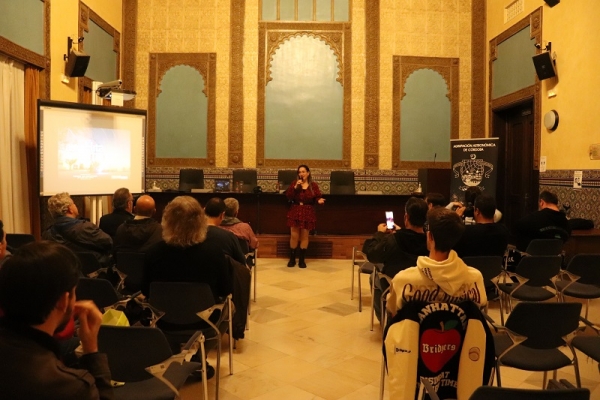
{"x":141,"y":360}
{"x":534,"y":274}
{"x":90,"y":266}
{"x":359,"y":259}
{"x":584,"y":279}
{"x":251,"y":258}
{"x":16,"y":240}
{"x":500,"y":393}
{"x":489,"y":266}
{"x":101,"y":292}
{"x":130,"y":267}
{"x":533,"y":336}
{"x":589,"y":344}
{"x":185,"y":304}
{"x":544,"y":247}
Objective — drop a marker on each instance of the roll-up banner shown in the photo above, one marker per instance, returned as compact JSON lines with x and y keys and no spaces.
{"x":474,"y":163}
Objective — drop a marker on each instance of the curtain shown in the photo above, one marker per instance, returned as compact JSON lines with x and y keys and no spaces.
{"x":14,"y":193}
{"x":32,"y":94}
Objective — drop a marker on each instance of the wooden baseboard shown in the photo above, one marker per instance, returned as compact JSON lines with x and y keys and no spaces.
{"x":319,"y":246}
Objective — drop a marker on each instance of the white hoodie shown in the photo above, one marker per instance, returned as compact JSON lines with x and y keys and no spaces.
{"x":450,"y":281}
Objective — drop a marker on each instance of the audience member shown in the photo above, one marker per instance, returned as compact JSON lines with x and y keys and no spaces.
{"x":485,"y":238}
{"x":221,"y":238}
{"x":140,"y":233}
{"x":546,"y":223}
{"x":77,"y":234}
{"x":442,"y":276}
{"x":122,"y":202}
{"x":465,"y":210}
{"x":435,"y":200}
{"x":184,"y":255}
{"x":399,"y":249}
{"x":231,"y":223}
{"x":4,"y":253}
{"x":37,"y":296}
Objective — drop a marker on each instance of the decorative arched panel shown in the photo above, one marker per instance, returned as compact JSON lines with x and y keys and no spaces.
{"x":304,"y":94}
{"x":181,"y":109}
{"x":425,"y":94}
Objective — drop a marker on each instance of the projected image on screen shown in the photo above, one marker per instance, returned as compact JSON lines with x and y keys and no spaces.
{"x":90,"y":150}
{"x":94,"y":153}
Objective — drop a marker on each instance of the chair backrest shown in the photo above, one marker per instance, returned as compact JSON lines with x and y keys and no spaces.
{"x":431,"y":340}
{"x":539,"y":269}
{"x":130,"y":349}
{"x":503,"y":393}
{"x":132,"y":265}
{"x":181,"y":301}
{"x":342,"y":182}
{"x":544,"y":247}
{"x":587,"y":267}
{"x":248,"y":176}
{"x":99,"y":290}
{"x":191,"y":178}
{"x":544,"y":324}
{"x":89,"y":263}
{"x":489,"y":266}
{"x":285,"y":177}
{"x":16,"y":240}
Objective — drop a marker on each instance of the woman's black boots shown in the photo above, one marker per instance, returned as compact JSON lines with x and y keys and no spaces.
{"x":301,"y":262}
{"x":292,"y":262}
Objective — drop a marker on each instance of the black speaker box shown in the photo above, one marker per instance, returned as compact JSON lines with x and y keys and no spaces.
{"x":544,"y":66}
{"x":552,"y":3}
{"x":77,"y":63}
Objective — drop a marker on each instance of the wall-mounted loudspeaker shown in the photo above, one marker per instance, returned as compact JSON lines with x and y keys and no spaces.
{"x":544,"y":66}
{"x":552,"y":3}
{"x":77,"y":63}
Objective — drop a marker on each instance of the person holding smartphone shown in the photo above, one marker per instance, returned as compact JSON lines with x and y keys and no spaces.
{"x":303,"y":194}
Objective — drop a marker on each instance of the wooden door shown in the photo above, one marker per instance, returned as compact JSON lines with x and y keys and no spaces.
{"x":518,"y":182}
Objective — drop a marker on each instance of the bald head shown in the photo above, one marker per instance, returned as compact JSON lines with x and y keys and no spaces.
{"x":145,"y":206}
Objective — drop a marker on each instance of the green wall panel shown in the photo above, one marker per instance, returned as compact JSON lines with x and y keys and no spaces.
{"x":305,"y":10}
{"x":22,"y":22}
{"x":323,"y":10}
{"x":513,"y":69}
{"x":287,"y":10}
{"x":425,"y":122}
{"x":269,"y":10}
{"x":181,"y":115}
{"x":341,"y":10}
{"x":304,"y":103}
{"x":103,"y":60}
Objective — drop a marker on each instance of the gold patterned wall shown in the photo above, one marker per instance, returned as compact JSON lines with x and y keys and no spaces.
{"x":182,"y":26}
{"x":430,"y":28}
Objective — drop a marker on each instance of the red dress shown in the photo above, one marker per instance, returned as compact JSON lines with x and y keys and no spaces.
{"x":302,"y":212}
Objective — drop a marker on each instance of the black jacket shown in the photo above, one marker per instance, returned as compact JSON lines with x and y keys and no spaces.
{"x":137,"y":235}
{"x":397,"y":251}
{"x":226,"y":241}
{"x":542,"y":224}
{"x":109,"y":223}
{"x":80,"y":236}
{"x":31,"y":368}
{"x":483,"y":240}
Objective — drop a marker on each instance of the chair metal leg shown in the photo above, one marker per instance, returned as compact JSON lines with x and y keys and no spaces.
{"x":372,"y":300}
{"x":545,"y":381}
{"x":498,"y":374}
{"x":576,"y":366}
{"x":359,"y":292}
{"x":204,"y":378}
{"x":230,"y":315}
{"x":218,"y":372}
{"x":254,"y":275}
{"x":382,"y":378}
{"x":352,"y":282}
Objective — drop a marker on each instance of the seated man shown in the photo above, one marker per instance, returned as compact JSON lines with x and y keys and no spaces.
{"x":399,"y":249}
{"x":435,"y":200}
{"x":231,"y":223}
{"x":546,"y":223}
{"x":122,"y":206}
{"x":77,"y":234}
{"x":225,"y":240}
{"x":442,"y":276}
{"x":140,"y":233}
{"x":485,"y":238}
{"x":37,"y":296}
{"x":465,"y":210}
